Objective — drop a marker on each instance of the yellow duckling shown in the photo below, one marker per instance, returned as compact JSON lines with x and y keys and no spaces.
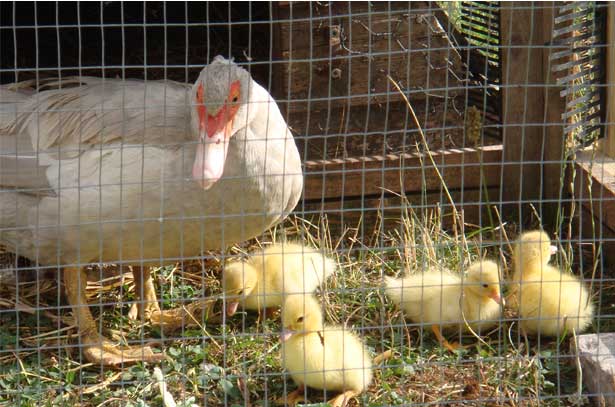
{"x":261,"y":281}
{"x":549,"y":301}
{"x":444,"y":299}
{"x":533,"y":251}
{"x":321,"y":356}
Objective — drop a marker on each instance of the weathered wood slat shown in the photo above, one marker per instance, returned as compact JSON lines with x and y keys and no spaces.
{"x":533,"y":132}
{"x":389,"y":210}
{"x":373,"y":176}
{"x":609,"y":145}
{"x":599,"y":173}
{"x":345,"y":59}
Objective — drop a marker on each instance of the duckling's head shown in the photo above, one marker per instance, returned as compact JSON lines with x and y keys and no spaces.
{"x":534,"y":248}
{"x":238,"y":280}
{"x":301,"y":314}
{"x":483,"y":280}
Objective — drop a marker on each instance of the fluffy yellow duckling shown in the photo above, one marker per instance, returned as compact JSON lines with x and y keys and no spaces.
{"x":444,"y":299}
{"x":321,"y":356}
{"x":549,"y":302}
{"x":261,"y":281}
{"x":533,"y":250}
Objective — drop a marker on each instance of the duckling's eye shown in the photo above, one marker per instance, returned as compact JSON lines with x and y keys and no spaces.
{"x":235,"y":99}
{"x":485,"y":285}
{"x":300,"y":319}
{"x":240,"y":292}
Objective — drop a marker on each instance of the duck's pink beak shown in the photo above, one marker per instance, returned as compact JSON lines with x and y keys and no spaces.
{"x":215,"y":133}
{"x":286,"y":334}
{"x":496,"y":297}
{"x":210,"y":157}
{"x":231,"y":308}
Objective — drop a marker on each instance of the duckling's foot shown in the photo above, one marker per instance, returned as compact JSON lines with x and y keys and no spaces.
{"x":453,"y":347}
{"x":101,"y":351}
{"x":342,"y":399}
{"x":292,"y":398}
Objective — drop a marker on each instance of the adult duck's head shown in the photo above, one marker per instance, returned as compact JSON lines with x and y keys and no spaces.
{"x":219,"y":109}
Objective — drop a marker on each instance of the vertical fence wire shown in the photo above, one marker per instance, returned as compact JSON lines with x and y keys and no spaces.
{"x":401,"y":115}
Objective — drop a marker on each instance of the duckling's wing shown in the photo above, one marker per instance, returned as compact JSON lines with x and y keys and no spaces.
{"x":419,"y":287}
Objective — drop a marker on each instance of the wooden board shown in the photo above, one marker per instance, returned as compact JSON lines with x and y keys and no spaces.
{"x":524,"y":75}
{"x":382,"y":175}
{"x":340,"y":53}
{"x":363,"y":130}
{"x":609,"y":145}
{"x":595,"y":186}
{"x":387,"y":211}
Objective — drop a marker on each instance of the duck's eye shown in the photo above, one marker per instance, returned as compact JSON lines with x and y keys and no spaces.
{"x":485,"y":285}
{"x":300,"y":319}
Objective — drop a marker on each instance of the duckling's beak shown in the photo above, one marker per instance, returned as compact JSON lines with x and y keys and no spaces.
{"x":231,"y":308}
{"x":286,"y":334}
{"x":495,"y":296}
{"x":554,"y":250}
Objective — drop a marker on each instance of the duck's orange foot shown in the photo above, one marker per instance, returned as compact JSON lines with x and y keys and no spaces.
{"x":192,"y":314}
{"x":101,"y":351}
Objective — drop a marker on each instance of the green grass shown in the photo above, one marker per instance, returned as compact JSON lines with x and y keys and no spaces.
{"x":218,"y":365}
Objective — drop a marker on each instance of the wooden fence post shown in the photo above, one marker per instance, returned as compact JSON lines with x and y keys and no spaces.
{"x":528,"y":104}
{"x":609,"y":145}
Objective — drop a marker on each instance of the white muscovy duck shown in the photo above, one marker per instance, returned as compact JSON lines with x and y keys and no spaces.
{"x":140,"y":173}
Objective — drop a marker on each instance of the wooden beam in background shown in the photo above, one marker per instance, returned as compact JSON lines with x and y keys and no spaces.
{"x":523,"y":36}
{"x":609,"y":145}
{"x":598,"y":172}
{"x":467,"y":168}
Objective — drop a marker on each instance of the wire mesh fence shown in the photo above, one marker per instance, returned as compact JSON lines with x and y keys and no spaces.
{"x":249,"y":204}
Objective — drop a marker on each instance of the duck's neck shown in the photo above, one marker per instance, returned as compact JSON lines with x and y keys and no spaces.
{"x":530,"y":267}
{"x":473,"y":304}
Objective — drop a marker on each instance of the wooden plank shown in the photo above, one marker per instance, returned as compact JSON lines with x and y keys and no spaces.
{"x":377,"y":175}
{"x":595,"y":186}
{"x":389,"y":210}
{"x":364,"y":130}
{"x":609,"y":145}
{"x":601,"y":236}
{"x":340,"y":53}
{"x":522,"y":37}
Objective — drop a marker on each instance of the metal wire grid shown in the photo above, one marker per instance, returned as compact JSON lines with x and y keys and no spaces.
{"x":233,"y":363}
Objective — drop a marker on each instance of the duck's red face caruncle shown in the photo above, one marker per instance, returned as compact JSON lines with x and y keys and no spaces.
{"x":215,"y":131}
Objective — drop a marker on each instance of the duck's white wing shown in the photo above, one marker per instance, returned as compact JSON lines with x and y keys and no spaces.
{"x":78,"y":114}
{"x":97,"y":112}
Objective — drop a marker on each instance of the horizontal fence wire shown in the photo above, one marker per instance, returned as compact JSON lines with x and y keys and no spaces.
{"x":271,"y":203}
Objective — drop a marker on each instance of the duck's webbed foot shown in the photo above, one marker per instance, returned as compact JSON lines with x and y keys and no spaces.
{"x":453,"y":347}
{"x":96,"y":348}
